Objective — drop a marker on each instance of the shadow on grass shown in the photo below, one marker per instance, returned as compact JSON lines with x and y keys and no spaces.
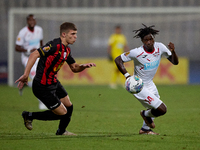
{"x":26,"y":136}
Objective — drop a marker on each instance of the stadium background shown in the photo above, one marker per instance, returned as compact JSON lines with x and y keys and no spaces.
{"x":95,"y":29}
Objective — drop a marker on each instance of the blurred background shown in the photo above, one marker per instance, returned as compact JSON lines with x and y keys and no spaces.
{"x":177,"y":20}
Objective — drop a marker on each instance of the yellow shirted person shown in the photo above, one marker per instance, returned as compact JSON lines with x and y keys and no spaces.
{"x":117,"y":44}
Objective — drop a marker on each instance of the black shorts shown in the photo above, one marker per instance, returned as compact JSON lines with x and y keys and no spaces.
{"x":49,"y":95}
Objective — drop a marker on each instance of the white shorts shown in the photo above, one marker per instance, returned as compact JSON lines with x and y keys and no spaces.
{"x":149,"y":96}
{"x":24,"y":60}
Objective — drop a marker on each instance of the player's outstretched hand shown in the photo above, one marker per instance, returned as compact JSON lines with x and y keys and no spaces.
{"x":22,"y":80}
{"x":171,"y":46}
{"x":89,"y":65}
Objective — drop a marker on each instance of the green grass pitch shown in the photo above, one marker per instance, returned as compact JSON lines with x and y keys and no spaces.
{"x":104,"y":119}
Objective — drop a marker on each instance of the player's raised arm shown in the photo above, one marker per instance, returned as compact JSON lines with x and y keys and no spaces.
{"x":120,"y":65}
{"x":173,"y":58}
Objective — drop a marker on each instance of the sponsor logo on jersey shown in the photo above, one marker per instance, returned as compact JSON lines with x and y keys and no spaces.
{"x":18,"y":39}
{"x":34,"y":42}
{"x":151,"y":65}
{"x":55,"y":69}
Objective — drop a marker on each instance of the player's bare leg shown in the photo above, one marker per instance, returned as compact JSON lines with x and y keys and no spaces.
{"x":114,"y":75}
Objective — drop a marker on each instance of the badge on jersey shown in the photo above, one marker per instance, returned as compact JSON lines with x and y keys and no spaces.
{"x":46,"y":48}
{"x":127,"y":53}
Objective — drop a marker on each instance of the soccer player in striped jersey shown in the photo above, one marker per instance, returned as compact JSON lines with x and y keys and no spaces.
{"x":146,"y":61}
{"x":46,"y":86}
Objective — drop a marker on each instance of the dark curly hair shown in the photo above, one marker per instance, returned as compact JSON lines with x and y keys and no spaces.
{"x":142,"y":32}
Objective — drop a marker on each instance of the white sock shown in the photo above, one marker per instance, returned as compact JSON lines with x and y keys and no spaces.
{"x":147,"y":113}
{"x":144,"y":126}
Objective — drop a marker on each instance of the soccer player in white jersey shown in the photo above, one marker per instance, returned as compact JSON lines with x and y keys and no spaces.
{"x":28,"y":40}
{"x":146,"y":61}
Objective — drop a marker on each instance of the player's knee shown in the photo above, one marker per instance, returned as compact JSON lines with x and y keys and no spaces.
{"x":162,"y":109}
{"x":63,"y":112}
{"x":60,"y":110}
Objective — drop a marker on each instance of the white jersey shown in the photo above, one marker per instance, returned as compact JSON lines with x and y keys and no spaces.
{"x":146,"y":63}
{"x":28,"y":39}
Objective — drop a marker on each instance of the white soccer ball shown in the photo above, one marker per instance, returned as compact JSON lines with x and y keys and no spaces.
{"x":134,"y":84}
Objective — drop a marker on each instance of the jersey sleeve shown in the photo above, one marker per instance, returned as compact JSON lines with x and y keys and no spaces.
{"x":20,"y":38}
{"x":165,"y":51}
{"x":47,"y":49}
{"x":70,"y":59}
{"x":128,"y":56}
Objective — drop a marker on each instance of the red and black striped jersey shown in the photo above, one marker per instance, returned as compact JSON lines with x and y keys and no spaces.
{"x":52,"y":57}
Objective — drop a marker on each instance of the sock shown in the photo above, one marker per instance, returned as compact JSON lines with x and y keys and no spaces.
{"x":147,"y":113}
{"x":64,"y":121}
{"x":144,"y":126}
{"x":44,"y":115}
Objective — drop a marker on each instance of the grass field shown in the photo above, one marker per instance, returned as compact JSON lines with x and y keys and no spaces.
{"x":103,"y":119}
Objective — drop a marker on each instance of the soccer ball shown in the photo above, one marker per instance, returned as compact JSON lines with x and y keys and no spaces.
{"x":134,"y":84}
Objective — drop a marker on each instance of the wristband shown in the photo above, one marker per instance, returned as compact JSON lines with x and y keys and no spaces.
{"x":126,"y":74}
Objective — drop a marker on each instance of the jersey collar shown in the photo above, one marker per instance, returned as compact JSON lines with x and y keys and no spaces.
{"x":30,"y":30}
{"x":147,"y":51}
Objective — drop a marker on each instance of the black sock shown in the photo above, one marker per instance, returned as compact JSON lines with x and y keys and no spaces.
{"x":64,"y":121}
{"x":44,"y":115}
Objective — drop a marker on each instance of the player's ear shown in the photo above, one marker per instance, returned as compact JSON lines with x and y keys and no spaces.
{"x":63,"y":34}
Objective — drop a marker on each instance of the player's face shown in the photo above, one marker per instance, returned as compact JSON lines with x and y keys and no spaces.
{"x":148,"y":42}
{"x":118,"y":31}
{"x":31,"y":22}
{"x":71,"y":36}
